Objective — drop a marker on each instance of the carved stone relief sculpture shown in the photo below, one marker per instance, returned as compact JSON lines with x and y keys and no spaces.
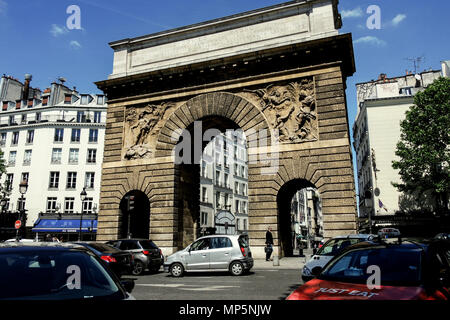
{"x":140,"y":125}
{"x":291,"y":109}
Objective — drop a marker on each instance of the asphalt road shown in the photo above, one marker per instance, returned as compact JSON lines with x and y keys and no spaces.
{"x":257,"y":285}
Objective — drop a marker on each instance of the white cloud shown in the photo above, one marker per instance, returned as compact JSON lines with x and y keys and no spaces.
{"x":371,"y":40}
{"x":75,"y":44}
{"x":3,"y":7}
{"x":355,"y":13}
{"x":397,"y":19}
{"x":57,"y":31}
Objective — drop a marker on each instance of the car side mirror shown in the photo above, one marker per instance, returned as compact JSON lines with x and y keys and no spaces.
{"x":128,"y":284}
{"x":316,"y":271}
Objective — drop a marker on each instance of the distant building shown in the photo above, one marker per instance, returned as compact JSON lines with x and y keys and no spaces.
{"x":306,"y":217}
{"x":224,"y":185}
{"x":54,"y":140}
{"x":382,"y":105}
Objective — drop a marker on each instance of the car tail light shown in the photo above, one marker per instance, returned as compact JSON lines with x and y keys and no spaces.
{"x":243,"y":251}
{"x":109,"y":259}
{"x":146,"y":252}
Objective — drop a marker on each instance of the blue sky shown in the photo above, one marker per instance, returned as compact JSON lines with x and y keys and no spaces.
{"x":34,"y":37}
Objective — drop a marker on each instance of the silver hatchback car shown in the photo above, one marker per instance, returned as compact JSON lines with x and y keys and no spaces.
{"x":212,"y":253}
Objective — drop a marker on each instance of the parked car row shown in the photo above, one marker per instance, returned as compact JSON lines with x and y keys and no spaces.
{"x":377,"y":268}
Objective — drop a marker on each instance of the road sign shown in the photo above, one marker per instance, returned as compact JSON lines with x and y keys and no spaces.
{"x":18,"y":224}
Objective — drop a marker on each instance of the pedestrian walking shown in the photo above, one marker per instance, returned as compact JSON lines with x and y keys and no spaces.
{"x":269,"y":243}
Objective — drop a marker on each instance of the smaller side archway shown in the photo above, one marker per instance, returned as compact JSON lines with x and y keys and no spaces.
{"x":291,"y":221}
{"x":135,"y":215}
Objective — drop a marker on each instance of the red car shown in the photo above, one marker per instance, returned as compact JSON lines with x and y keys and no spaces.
{"x":383,"y":271}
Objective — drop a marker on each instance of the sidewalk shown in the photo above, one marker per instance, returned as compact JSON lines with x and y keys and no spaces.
{"x":293,"y":263}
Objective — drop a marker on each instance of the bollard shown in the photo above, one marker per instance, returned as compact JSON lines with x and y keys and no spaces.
{"x":276,"y":261}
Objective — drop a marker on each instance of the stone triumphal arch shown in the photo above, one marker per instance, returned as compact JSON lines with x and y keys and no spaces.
{"x":279,"y":70}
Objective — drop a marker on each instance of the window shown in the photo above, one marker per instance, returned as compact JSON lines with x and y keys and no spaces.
{"x":236,"y":187}
{"x":73,"y":155}
{"x":89,"y":182}
{"x":92,"y":156}
{"x":204,"y":169}
{"x":97,"y":116}
{"x":44,"y":101}
{"x":38,"y":116}
{"x":12,"y":158}
{"x":27,"y":157}
{"x":220,"y":242}
{"x":54,"y":179}
{"x":81,"y":117}
{"x":237,"y":206}
{"x":93,"y":135}
{"x":204,"y":219}
{"x":84,"y":99}
{"x":100,"y":99}
{"x":59,"y":135}
{"x":245,"y":225}
{"x":12,"y":120}
{"x":75,"y":137}
{"x":217,"y":199}
{"x":226,"y":180}
{"x":235,"y":169}
{"x":71,"y":180}
{"x":30,"y":136}
{"x":3,"y":139}
{"x":67,"y":99}
{"x":204,"y":195}
{"x":244,"y":207}
{"x":87,"y":205}
{"x":15,"y":138}
{"x":51,"y":204}
{"x":24,"y":118}
{"x":56,"y":155}
{"x":217,"y":177}
{"x":238,"y":224}
{"x":25,"y":176}
{"x":69,"y":205}
{"x":9,"y":181}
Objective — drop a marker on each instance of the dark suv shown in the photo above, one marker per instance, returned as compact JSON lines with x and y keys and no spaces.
{"x":146,"y":254}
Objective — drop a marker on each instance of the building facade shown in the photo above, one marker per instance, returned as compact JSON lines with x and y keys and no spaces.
{"x":54,"y":141}
{"x":307,"y":218}
{"x":224,"y":185}
{"x":382,"y":105}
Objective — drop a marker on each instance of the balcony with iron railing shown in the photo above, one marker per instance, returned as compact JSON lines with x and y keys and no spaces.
{"x":33,"y":119}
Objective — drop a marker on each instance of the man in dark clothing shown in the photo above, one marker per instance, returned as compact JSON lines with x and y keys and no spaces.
{"x":269,"y":243}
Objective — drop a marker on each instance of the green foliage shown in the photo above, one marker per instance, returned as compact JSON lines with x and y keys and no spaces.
{"x":424,"y":146}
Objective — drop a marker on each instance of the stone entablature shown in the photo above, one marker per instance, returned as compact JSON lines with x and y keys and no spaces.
{"x":285,"y":24}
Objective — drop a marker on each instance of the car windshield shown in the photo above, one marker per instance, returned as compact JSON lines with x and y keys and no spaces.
{"x":397,"y":266}
{"x":54,"y":275}
{"x":333,"y":246}
{"x":148,"y":244}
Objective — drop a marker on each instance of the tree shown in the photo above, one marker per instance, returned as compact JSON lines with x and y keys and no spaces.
{"x":423,"y":148}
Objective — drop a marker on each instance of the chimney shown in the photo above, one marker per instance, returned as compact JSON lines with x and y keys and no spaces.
{"x":26,"y":87}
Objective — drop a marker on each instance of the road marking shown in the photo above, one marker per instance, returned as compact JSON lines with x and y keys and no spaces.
{"x":174,"y":285}
{"x":212,"y":288}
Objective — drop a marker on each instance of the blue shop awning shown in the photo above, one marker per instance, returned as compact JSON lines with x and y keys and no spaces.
{"x":66,"y":225}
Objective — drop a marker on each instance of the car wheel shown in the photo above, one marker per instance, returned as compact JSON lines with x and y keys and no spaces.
{"x":138,"y":268}
{"x":236,"y":268}
{"x":176,"y":270}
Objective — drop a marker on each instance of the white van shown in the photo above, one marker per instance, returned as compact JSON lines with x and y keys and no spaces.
{"x":330,"y":249}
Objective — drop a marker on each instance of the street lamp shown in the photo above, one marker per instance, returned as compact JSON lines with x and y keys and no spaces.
{"x":83,"y":195}
{"x":23,"y":187}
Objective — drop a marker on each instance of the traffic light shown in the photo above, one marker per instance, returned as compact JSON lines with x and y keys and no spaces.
{"x":130,"y":203}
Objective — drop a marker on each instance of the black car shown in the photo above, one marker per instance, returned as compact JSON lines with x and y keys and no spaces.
{"x":57,"y":271}
{"x":379,"y":270}
{"x":145,"y":252}
{"x":121,"y":262}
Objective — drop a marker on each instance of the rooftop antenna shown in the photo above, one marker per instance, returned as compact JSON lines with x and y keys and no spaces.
{"x":416,"y":62}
